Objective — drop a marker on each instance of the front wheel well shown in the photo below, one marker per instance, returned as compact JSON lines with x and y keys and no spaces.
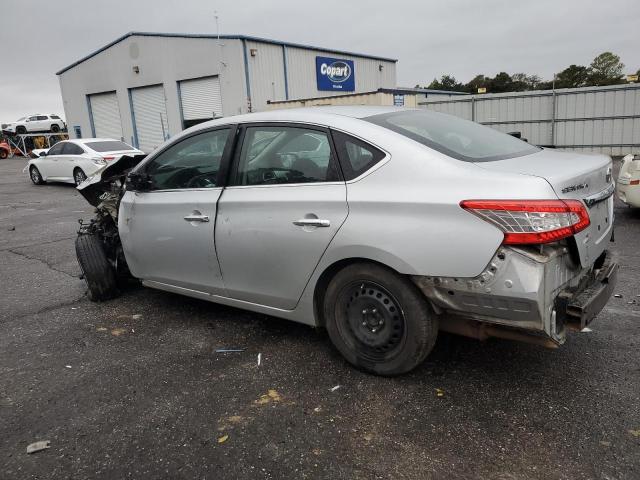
{"x":327,"y":276}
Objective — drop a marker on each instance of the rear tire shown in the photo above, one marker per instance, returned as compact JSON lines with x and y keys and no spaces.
{"x":98,"y":272}
{"x":378,"y":320}
{"x":79,"y":176}
{"x":35,"y":176}
{"x":55,"y":128}
{"x":3,"y":154}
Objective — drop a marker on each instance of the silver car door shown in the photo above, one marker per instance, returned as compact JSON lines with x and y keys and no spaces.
{"x":167,"y":232}
{"x":279,"y":213}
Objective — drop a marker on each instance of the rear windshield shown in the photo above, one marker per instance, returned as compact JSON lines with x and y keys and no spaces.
{"x":109,"y":146}
{"x":453,"y":136}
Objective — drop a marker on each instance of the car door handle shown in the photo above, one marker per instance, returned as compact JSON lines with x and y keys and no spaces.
{"x":197,"y":218}
{"x":312,"y":222}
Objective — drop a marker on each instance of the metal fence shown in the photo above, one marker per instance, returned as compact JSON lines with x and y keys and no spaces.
{"x":591,"y":119}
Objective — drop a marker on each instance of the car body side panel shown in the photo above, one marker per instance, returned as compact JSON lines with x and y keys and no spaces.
{"x":264,"y":257}
{"x":161,"y":245}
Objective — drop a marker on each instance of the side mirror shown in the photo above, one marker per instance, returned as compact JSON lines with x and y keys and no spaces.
{"x":43,"y":154}
{"x":138,"y":182}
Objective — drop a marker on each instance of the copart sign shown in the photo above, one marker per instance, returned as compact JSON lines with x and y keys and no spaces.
{"x":335,"y":74}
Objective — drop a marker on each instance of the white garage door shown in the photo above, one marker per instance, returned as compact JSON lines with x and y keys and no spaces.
{"x":150,"y":116}
{"x":201,"y":98}
{"x":106,"y":115}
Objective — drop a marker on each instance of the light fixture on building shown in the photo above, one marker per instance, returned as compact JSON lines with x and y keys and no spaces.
{"x":136,"y":69}
{"x":380,"y":67}
{"x":254,"y":52}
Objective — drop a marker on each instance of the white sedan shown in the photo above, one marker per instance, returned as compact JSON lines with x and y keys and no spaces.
{"x":72,"y":161}
{"x":629,"y":181}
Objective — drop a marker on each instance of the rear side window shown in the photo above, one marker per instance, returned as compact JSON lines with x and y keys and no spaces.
{"x":273,"y":155}
{"x":57,"y":148}
{"x":43,"y":117}
{"x":72,"y":149}
{"x":55,"y":117}
{"x":356,"y":156}
{"x":109,"y":146}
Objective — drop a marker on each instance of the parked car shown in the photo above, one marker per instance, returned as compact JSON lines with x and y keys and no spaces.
{"x":5,"y":149}
{"x":35,"y":123}
{"x":629,"y":181}
{"x":382,"y":225}
{"x":72,"y":161}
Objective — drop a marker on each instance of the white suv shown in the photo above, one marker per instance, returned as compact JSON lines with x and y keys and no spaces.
{"x":35,"y":123}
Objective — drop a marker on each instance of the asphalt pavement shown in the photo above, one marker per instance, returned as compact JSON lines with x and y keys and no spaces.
{"x":134,"y":387}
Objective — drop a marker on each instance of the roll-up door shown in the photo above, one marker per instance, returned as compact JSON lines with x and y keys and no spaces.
{"x":149,"y":116}
{"x":200,"y":99}
{"x":105,"y":115}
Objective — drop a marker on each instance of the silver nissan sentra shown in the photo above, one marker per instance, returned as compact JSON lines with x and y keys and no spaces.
{"x":382,"y":225}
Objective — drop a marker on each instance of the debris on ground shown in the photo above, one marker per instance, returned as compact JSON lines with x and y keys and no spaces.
{"x":635,"y":433}
{"x":269,"y":397}
{"x":368,"y":437}
{"x":333,"y":389}
{"x":317,"y":409}
{"x":229,"y":350}
{"x":136,"y":316}
{"x":101,"y":329}
{"x":586,"y":330}
{"x":259,"y":359}
{"x":37,"y":446}
{"x":11,"y":228}
{"x":68,"y":366}
{"x":617,"y":295}
{"x":223,"y":438}
{"x":439,"y":392}
{"x":116,"y":332}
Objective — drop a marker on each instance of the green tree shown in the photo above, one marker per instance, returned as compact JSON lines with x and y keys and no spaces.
{"x":446,"y":82}
{"x":573,"y":76}
{"x":606,"y":69}
{"x":502,"y":82}
{"x":477,"y":82}
{"x":522,"y":82}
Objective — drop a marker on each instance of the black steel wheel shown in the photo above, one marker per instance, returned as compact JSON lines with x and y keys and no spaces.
{"x":35,"y":176}
{"x":21,"y":130}
{"x":55,"y":127}
{"x":379,"y":320}
{"x":374,"y":320}
{"x":79,"y":176}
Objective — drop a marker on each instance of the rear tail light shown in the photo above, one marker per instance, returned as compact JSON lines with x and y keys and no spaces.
{"x":634,"y":182}
{"x":532,"y":221}
{"x":108,"y":159}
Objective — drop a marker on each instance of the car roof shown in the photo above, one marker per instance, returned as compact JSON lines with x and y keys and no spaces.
{"x":353,"y":111}
{"x":83,"y":141}
{"x":322,"y":115}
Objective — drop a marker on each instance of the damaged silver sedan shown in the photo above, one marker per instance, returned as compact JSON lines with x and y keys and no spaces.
{"x":382,"y":225}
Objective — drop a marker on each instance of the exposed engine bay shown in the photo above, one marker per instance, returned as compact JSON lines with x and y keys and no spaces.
{"x":104,"y":190}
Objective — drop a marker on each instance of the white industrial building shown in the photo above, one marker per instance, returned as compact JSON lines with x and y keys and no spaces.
{"x":146,"y":87}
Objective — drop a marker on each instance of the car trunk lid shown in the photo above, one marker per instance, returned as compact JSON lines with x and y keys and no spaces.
{"x":585,"y":177}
